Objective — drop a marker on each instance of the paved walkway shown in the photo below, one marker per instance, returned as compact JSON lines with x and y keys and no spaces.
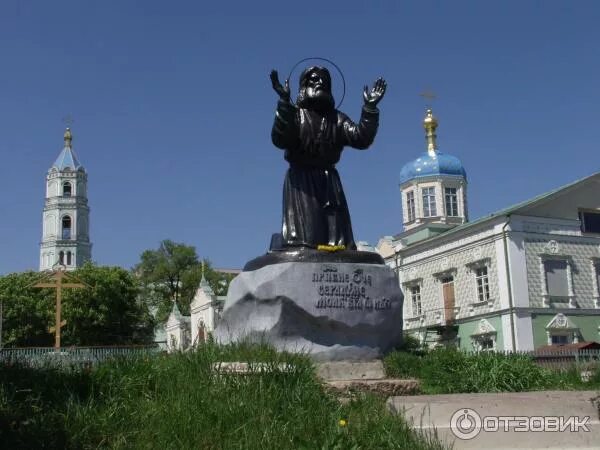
{"x":507,"y":420}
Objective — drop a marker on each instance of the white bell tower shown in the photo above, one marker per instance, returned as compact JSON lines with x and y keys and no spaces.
{"x":65,"y":236}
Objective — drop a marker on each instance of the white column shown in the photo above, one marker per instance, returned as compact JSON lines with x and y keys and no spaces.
{"x":439,"y":198}
{"x":570,"y":290}
{"x":418,"y":203}
{"x":544,"y":283}
{"x":403,"y":193}
{"x":595,"y":283}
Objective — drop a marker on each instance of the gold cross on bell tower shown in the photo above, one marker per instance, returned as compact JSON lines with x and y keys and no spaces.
{"x":68,"y":120}
{"x":68,"y":137}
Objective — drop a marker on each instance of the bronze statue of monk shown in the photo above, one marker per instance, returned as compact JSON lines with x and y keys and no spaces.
{"x":313,"y":134}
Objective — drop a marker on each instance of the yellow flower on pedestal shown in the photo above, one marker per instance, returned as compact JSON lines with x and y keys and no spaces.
{"x":343,"y":422}
{"x":331,"y":248}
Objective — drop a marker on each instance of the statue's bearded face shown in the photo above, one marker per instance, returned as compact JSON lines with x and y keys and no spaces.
{"x":315,"y":89}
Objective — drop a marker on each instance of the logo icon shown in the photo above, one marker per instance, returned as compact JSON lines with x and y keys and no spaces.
{"x":465,"y":423}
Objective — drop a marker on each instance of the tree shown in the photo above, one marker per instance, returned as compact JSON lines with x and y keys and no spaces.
{"x":27,"y":312}
{"x":164,"y":269}
{"x":106,"y":313}
{"x":173,"y":272}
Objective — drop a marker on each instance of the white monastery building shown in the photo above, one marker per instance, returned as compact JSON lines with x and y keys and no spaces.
{"x":183,"y":332}
{"x":519,"y":279}
{"x":65,"y":235}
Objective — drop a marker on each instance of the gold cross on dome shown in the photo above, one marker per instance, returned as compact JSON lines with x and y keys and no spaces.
{"x":429,"y":96}
{"x":68,"y":120}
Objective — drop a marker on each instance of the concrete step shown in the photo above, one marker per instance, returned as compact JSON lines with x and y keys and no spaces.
{"x":385,"y":386}
{"x":511,"y":413}
{"x":350,"y":370}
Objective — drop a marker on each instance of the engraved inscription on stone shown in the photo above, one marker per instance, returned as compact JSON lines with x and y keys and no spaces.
{"x":339,"y":289}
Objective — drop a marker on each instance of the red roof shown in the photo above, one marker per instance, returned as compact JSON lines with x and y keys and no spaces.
{"x":556,"y":348}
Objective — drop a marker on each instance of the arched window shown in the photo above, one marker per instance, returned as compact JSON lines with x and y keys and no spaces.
{"x":67,"y":189}
{"x":68,"y":258}
{"x":61,"y":257}
{"x":66,"y":227}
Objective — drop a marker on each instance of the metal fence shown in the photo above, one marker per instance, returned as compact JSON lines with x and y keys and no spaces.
{"x":559,"y":359}
{"x":582,"y":359}
{"x":39,"y":356}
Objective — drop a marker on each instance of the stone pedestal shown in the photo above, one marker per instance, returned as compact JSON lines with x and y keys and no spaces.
{"x":333,"y":310}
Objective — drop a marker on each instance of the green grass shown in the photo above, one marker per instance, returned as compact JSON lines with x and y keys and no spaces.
{"x":447,"y":370}
{"x":178,"y":402}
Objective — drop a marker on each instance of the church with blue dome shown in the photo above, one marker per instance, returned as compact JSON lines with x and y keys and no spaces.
{"x":523,"y":278}
{"x":433,"y":188}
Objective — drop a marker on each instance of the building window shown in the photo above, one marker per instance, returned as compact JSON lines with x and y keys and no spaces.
{"x":484,"y":337}
{"x":61,"y":258}
{"x":484,"y":342}
{"x":559,"y":339}
{"x":67,"y":189}
{"x":66,"y":227}
{"x":410,"y":206}
{"x":68,"y":258}
{"x":415,"y":295}
{"x":429,"y":209}
{"x":590,"y":221}
{"x":173,"y":342}
{"x":557,"y":283}
{"x":561,"y":330}
{"x":483,"y":284}
{"x":451,"y":202}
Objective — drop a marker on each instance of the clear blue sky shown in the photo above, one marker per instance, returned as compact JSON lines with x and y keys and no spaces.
{"x":173,"y":110}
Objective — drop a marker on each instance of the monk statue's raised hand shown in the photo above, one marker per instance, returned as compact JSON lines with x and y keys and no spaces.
{"x":375,"y":94}
{"x":282,"y":91}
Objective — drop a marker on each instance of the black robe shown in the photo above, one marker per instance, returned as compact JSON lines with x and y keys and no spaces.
{"x":315,"y":211}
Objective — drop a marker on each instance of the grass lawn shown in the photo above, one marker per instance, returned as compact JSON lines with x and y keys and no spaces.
{"x":449,"y":371}
{"x":178,"y":402}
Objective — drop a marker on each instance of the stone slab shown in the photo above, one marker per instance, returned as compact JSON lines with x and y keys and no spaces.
{"x":350,"y":370}
{"x":434,"y":412}
{"x":244,"y":368}
{"x":330,"y":311}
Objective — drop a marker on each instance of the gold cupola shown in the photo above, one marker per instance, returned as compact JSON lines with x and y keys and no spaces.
{"x":430,"y":124}
{"x":68,"y":137}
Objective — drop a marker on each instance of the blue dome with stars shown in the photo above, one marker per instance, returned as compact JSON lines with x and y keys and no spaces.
{"x":432,"y":163}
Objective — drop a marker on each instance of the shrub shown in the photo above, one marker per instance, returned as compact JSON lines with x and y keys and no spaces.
{"x":444,"y":371}
{"x":410,"y":343}
{"x":448,"y":370}
{"x":401,"y":364}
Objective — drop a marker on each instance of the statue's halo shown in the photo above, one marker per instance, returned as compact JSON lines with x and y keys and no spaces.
{"x":316,"y":58}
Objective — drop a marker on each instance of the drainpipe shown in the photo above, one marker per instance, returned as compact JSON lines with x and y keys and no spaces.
{"x":509,"y":280}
